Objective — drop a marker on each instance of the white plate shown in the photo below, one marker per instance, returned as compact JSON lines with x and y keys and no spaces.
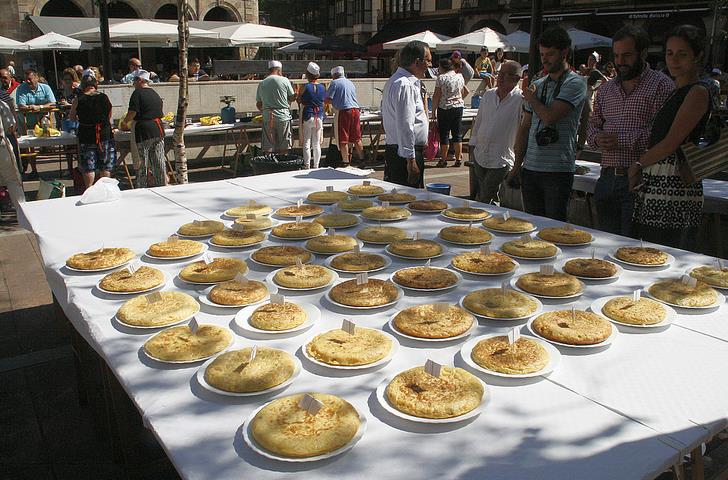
{"x":232,"y":340}
{"x":176,"y":322}
{"x":547,"y":297}
{"x":400,"y":294}
{"x":236,"y":246}
{"x":161,"y":285}
{"x":382,"y":398}
{"x":395,"y":202}
{"x":505,"y":232}
{"x":201,"y":380}
{"x":463,"y":220}
{"x":382,"y":361}
{"x":554,"y":357}
{"x":488,"y":274}
{"x":194,"y":237}
{"x":718,"y":302}
{"x":465,"y":334}
{"x":539,"y":309}
{"x":270,"y":281}
{"x":558,"y":252}
{"x":323,"y":254}
{"x":257,"y":214}
{"x":687,"y":272}
{"x":203,"y":298}
{"x":607,"y":341}
{"x":105,"y":269}
{"x":358,"y":222}
{"x":387,"y":220}
{"x":465,"y":244}
{"x":387,"y":263}
{"x":458,"y":282}
{"x":204,"y":249}
{"x":297,"y":238}
{"x":620,"y":270}
{"x":444,"y":251}
{"x":562,"y":244}
{"x":380,"y":243}
{"x":242,"y":320}
{"x":670,"y":261}
{"x":293,"y":218}
{"x":250,"y":441}
{"x":599,"y":303}
{"x":273,"y":223}
{"x":427,"y":211}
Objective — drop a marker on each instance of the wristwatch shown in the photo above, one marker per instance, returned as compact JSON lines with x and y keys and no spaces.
{"x":639,"y":164}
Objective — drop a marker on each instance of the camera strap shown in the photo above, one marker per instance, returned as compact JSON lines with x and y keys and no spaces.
{"x":557,"y":90}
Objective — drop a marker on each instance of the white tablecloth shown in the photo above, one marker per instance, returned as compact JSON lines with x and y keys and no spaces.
{"x":627,"y":411}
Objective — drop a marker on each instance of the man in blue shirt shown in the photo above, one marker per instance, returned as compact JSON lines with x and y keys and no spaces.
{"x":546,"y":140}
{"x":33,"y":98}
{"x":342,"y":96}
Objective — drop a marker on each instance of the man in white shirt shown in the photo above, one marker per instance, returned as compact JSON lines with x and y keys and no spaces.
{"x":404,"y":117}
{"x":494,"y":132}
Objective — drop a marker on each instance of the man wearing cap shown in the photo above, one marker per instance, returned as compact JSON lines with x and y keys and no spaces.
{"x":311,"y":99}
{"x":461,"y":66}
{"x":145,"y":109}
{"x":404,"y":117}
{"x":342,"y":96}
{"x":273,"y":98}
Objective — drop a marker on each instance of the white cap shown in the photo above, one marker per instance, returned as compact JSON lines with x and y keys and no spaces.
{"x":141,"y":74}
{"x":274,"y":64}
{"x":313,"y":68}
{"x":716,"y":71}
{"x":88,"y":73}
{"x":337,"y":71}
{"x":596,"y":56}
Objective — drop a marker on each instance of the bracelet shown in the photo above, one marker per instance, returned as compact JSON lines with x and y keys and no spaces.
{"x":639,"y":164}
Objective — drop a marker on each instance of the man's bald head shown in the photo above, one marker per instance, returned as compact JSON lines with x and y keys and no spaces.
{"x":508,"y":77}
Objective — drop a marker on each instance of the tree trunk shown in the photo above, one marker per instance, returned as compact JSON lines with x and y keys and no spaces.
{"x":180,"y":156}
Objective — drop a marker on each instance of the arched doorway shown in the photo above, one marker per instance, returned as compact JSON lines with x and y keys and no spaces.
{"x":122,"y":10}
{"x":61,"y":8}
{"x":166,"y":12}
{"x":490,"y":23}
{"x":220,"y":14}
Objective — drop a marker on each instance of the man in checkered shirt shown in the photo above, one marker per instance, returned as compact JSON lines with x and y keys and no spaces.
{"x":620,"y":125}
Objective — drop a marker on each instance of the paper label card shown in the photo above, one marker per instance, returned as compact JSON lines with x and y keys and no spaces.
{"x":310,"y":404}
{"x":636,"y":295}
{"x":251,"y":203}
{"x":250,"y":216}
{"x":299,"y":203}
{"x":153,"y":297}
{"x":433,"y":368}
{"x":642,"y":244}
{"x":485,"y":250}
{"x":573,"y":313}
{"x":206,"y":258}
{"x":336,"y":209}
{"x":194,"y":326}
{"x":299,"y":263}
{"x":241,"y":278}
{"x":197,"y":223}
{"x":526,"y":237}
{"x":238,"y":227}
{"x":394,"y":190}
{"x":170,"y":239}
{"x":348,"y":326}
{"x":416,"y":236}
{"x":329,"y":188}
{"x":253,"y":353}
{"x":366,"y":183}
{"x":504,"y":287}
{"x":132,"y":268}
{"x":513,"y":335}
{"x":362,"y":278}
{"x":506,"y":216}
{"x":594,"y":252}
{"x":299,"y":219}
{"x":689,"y":281}
{"x":330,"y":231}
{"x":568,"y":227}
{"x":277,"y":299}
{"x":385,"y":204}
{"x":428,"y":263}
{"x":719,"y":264}
{"x":357,"y":248}
{"x":466,"y":203}
{"x":441,"y":307}
{"x":351,"y":198}
{"x":547,"y":269}
{"x":428,"y":195}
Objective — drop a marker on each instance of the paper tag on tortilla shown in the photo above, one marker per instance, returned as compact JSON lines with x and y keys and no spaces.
{"x":171,"y":239}
{"x":277,"y":299}
{"x":466,"y":203}
{"x":251,"y":203}
{"x":547,"y":269}
{"x":206,"y":258}
{"x":336,"y":209}
{"x":441,"y":307}
{"x":470,"y":224}
{"x":250,"y":216}
{"x":594,"y":252}
{"x":513,"y":335}
{"x":299,"y":263}
{"x":299,"y":219}
{"x":197,"y":223}
{"x":366,"y":183}
{"x":153,"y":297}
{"x":357,"y":248}
{"x":428,"y":263}
{"x":636,"y":295}
{"x":573,"y":313}
{"x":689,"y":281}
{"x":485,"y":250}
{"x":329,"y":188}
{"x":310,"y":404}
{"x":394,"y":190}
{"x":433,"y":368}
{"x":428,"y":195}
{"x":132,"y":268}
{"x":253,"y":353}
{"x":416,"y":236}
{"x":719,"y":264}
{"x":299,"y":203}
{"x":331,"y":231}
{"x":362,"y":278}
{"x":642,"y":244}
{"x":504,"y":287}
{"x":526,"y":237}
{"x":506,"y":215}
{"x":568,"y":227}
{"x":351,"y":198}
{"x":238,"y":227}
{"x":385,"y":204}
{"x":348,"y":326}
{"x":194,"y":326}
{"x":239,"y":277}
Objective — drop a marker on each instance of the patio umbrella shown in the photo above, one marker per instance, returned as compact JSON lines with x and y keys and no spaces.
{"x":143,"y":31}
{"x":253,"y":33}
{"x":519,"y":40}
{"x":54,"y":41}
{"x":580,"y":39}
{"x":8,"y":45}
{"x":432,"y":40}
{"x":333,"y":43}
{"x":474,"y":41}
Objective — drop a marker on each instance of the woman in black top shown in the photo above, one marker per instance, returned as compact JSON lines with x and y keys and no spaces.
{"x":668,"y":211}
{"x":145,"y":109}
{"x":96,"y":149}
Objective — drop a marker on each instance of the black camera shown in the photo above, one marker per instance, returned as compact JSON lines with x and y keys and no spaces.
{"x":546,"y":136}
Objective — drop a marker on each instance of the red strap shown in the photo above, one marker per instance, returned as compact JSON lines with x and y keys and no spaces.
{"x":158,"y":121}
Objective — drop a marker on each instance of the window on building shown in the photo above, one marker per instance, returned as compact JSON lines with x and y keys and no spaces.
{"x":395,"y":9}
{"x":443,"y":4}
{"x":362,"y":12}
{"x":344,"y":13}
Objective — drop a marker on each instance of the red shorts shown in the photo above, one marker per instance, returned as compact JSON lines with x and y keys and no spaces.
{"x":349,"y":126}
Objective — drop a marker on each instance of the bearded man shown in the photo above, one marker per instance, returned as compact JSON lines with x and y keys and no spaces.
{"x":620,"y":125}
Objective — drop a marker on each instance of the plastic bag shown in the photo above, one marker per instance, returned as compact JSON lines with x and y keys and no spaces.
{"x":433,"y":142}
{"x":104,"y":190}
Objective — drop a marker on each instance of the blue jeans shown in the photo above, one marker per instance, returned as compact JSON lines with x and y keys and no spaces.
{"x":615,"y":203}
{"x":546,"y":194}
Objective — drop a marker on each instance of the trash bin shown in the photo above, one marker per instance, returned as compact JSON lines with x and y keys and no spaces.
{"x":273,"y":163}
{"x":443,"y":188}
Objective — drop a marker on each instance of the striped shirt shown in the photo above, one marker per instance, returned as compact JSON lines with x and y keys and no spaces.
{"x":628,"y":115}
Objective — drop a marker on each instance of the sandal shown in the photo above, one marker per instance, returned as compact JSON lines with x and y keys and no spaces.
{"x":441,"y":164}
{"x":456,"y":164}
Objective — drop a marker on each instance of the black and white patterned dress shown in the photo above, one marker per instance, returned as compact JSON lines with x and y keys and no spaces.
{"x":665,"y":201}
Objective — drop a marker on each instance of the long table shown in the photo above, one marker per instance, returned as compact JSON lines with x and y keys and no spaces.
{"x":627,"y":411}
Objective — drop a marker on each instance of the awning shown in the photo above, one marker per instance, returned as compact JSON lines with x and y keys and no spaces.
{"x":449,"y":26}
{"x":631,"y":14}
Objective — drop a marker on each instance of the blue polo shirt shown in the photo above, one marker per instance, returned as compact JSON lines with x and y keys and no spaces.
{"x":342,"y":93}
{"x":25,"y":95}
{"x":561,"y":155}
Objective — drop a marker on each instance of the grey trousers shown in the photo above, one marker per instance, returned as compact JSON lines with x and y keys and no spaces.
{"x":488,"y":181}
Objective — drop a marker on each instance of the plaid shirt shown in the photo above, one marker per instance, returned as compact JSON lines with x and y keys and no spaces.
{"x":629,"y":116}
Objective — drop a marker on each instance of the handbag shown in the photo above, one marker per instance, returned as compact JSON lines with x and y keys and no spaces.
{"x":709,"y":156}
{"x":433,"y":142}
